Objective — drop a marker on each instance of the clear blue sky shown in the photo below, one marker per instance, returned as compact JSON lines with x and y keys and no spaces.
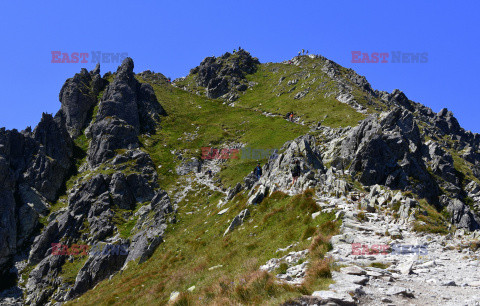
{"x":172,"y":37}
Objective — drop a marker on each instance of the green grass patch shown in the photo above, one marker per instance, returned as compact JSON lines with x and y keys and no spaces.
{"x":71,"y":269}
{"x":276,"y":97}
{"x":195,"y":252}
{"x":194,"y":122}
{"x":433,"y":222}
{"x":379,"y":265}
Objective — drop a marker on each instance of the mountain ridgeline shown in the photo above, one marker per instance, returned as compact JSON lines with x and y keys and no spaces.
{"x":121,"y":164}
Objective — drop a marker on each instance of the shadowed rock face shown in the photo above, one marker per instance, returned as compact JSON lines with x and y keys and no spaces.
{"x":126,"y":109}
{"x":387,"y":151}
{"x":49,"y":169}
{"x":78,"y":97}
{"x":33,"y":168}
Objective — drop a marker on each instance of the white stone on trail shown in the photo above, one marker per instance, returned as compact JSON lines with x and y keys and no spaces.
{"x":215,"y":267}
{"x":174,"y":295}
{"x":223,"y":211}
{"x":339,"y":298}
{"x":349,"y":278}
{"x":428,"y":264}
{"x":353,"y":270}
{"x":400,"y":291}
{"x":406,"y":267}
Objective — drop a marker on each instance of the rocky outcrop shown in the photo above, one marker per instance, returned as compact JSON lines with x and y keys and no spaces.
{"x":96,"y":269}
{"x":150,"y":228}
{"x":225,"y":76}
{"x":33,"y":168}
{"x":441,"y":164}
{"x":397,"y":99}
{"x":277,"y":171}
{"x":98,"y":200}
{"x":51,"y":165}
{"x":461,"y":215}
{"x":387,"y":151}
{"x":447,"y":123}
{"x":237,"y":221}
{"x":127,"y":108}
{"x":92,"y":205}
{"x":43,"y":280}
{"x":78,"y":96}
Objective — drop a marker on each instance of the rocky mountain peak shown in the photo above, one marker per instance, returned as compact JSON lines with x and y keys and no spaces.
{"x":96,"y":70}
{"x":444,"y":112}
{"x":126,"y":109}
{"x":126,"y":68}
{"x":78,"y":96}
{"x":225,"y":76}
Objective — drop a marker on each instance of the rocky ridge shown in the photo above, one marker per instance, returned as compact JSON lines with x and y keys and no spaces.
{"x":126,"y":109}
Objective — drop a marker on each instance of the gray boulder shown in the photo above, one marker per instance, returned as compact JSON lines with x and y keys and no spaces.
{"x":234,"y":191}
{"x":237,"y":221}
{"x":96,"y":269}
{"x":462,"y":216}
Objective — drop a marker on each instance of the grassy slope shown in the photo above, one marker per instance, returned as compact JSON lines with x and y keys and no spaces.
{"x":316,"y":106}
{"x":214,"y":124}
{"x":196,"y":243}
{"x":277,"y":97}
